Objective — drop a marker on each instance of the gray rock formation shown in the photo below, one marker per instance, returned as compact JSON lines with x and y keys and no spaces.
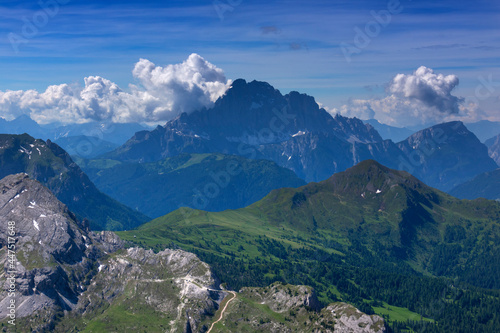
{"x":288,"y":308}
{"x":445,"y":155}
{"x":171,"y":284}
{"x":281,"y":298}
{"x":61,"y":268}
{"x":348,"y":319}
{"x":53,"y":255}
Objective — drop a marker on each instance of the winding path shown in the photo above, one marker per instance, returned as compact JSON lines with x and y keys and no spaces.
{"x":223,"y":310}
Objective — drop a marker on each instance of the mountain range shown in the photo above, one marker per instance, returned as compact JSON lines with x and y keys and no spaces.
{"x":115,"y":133}
{"x":387,"y":132}
{"x":445,"y":155}
{"x":369,"y":231}
{"x":69,"y":279}
{"x":485,"y":185}
{"x":256,"y":121}
{"x":247,"y":116}
{"x":279,"y":218}
{"x":85,"y":146}
{"x":388,"y":213}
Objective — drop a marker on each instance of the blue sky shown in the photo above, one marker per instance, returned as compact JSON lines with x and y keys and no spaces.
{"x":294,"y":45}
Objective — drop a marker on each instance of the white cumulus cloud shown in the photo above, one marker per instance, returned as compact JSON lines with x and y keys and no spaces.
{"x":161,"y":94}
{"x":433,"y":90}
{"x":420,"y":98}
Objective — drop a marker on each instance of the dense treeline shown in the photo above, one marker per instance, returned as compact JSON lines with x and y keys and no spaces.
{"x":453,"y":307}
{"x":362,"y":279}
{"x":371,"y":276}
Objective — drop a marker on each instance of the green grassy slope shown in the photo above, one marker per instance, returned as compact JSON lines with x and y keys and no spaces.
{"x":367,"y":211}
{"x":367,"y":234}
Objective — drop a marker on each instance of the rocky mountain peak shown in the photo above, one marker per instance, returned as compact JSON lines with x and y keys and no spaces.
{"x":45,"y":228}
{"x":249,"y":113}
{"x":240,"y":87}
{"x":53,"y":252}
{"x":441,"y":133}
{"x":445,"y":155}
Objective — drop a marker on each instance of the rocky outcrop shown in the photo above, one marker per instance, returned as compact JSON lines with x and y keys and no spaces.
{"x":485,"y":185}
{"x":108,"y":240}
{"x":57,"y":266}
{"x":170,"y":284}
{"x":348,"y":319}
{"x":51,"y":255}
{"x":281,"y":298}
{"x":290,"y":308}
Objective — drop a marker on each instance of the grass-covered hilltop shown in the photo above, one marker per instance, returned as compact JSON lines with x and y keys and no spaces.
{"x":371,"y":236}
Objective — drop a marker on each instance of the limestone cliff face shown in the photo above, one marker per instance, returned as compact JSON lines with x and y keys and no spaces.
{"x":348,"y":319}
{"x":52,"y":255}
{"x":172,"y":284}
{"x":62,"y":268}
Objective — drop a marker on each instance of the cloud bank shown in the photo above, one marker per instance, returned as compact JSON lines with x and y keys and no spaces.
{"x":420,"y":98}
{"x":162,"y":93}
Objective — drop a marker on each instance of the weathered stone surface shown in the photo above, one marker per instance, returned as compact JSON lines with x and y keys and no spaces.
{"x":348,"y":319}
{"x":51,"y":252}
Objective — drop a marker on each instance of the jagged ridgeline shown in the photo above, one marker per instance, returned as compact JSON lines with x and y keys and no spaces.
{"x":370,"y":235}
{"x":52,"y":166}
{"x":69,"y":279}
{"x":254,"y":120}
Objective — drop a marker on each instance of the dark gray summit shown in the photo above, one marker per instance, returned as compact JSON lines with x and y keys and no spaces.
{"x":247,"y":119}
{"x":445,"y":155}
{"x":255,"y":120}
